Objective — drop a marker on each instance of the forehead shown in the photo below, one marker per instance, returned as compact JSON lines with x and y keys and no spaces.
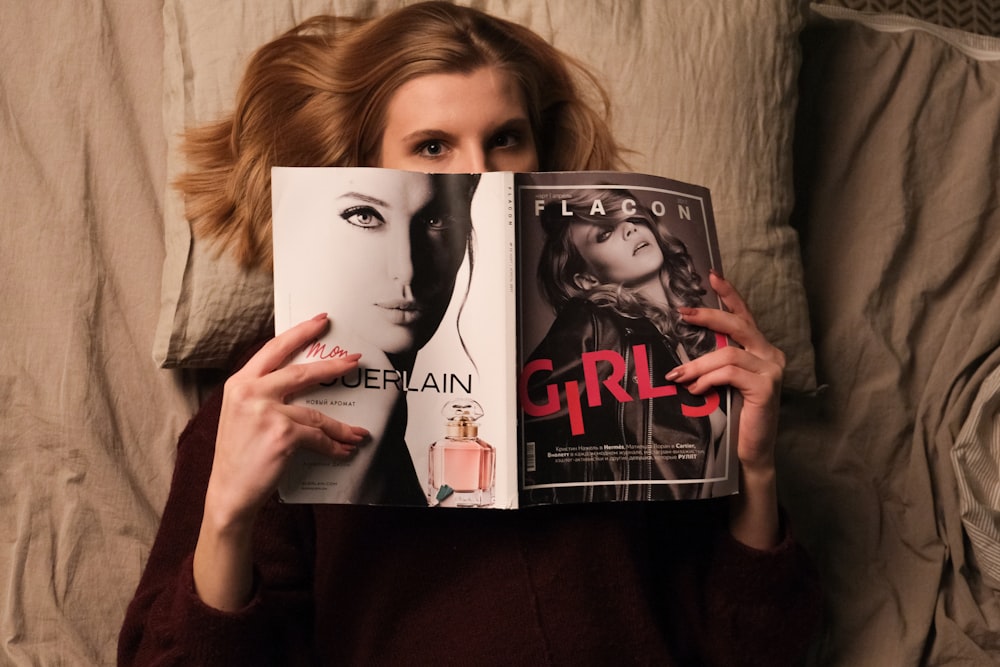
{"x":480,"y":99}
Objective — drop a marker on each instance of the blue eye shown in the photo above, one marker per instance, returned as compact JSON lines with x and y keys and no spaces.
{"x":365,"y":217}
{"x":431,"y":149}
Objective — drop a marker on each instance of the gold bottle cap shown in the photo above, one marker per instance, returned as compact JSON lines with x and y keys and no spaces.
{"x":463,"y":427}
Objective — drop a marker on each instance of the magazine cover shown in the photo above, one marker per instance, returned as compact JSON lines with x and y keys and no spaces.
{"x":604,"y":261}
{"x":414,"y":271}
{"x":516,"y":331}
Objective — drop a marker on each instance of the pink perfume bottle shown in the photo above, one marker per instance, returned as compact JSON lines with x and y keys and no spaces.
{"x":461,"y":464}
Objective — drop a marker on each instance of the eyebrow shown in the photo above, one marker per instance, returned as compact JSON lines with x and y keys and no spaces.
{"x":363,"y":197}
{"x":520,"y":123}
{"x":429,"y":133}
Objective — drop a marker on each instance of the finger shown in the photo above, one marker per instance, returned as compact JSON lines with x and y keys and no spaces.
{"x":756,"y":388}
{"x":740,"y":329}
{"x":322,"y":433}
{"x":277,"y":351}
{"x":731,"y":366}
{"x":730,"y":296}
{"x":333,"y":428}
{"x":719,"y":321}
{"x":736,"y":319}
{"x":739,"y":326}
{"x":295,"y":378}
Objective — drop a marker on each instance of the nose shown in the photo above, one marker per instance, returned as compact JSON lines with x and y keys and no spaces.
{"x":628,"y":228}
{"x":472,"y":160}
{"x":400,"y":256}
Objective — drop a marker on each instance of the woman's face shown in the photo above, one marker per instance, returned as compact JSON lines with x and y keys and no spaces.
{"x":623,"y":253}
{"x":406,"y":241}
{"x":459,"y":123}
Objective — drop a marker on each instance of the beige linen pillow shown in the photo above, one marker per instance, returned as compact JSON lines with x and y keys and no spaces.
{"x":901,"y":152}
{"x":703,"y":92}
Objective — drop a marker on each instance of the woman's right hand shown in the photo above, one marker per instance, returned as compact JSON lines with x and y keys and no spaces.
{"x":258,"y":433}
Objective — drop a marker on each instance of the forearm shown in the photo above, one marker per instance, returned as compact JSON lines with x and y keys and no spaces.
{"x":223,"y":562}
{"x":754,"y":519}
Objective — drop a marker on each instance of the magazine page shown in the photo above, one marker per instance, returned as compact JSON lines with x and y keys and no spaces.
{"x":415,"y":273}
{"x":604,"y":261}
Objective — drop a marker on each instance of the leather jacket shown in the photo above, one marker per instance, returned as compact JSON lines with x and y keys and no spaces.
{"x":617,"y":422}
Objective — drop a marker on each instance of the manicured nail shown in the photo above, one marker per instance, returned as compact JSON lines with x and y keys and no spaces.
{"x":673,"y":375}
{"x":320,"y":317}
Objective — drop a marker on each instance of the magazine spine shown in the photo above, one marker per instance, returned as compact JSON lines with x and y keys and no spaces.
{"x":511,"y":343}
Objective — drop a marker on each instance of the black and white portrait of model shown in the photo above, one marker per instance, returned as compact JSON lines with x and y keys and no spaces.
{"x":603,"y":420}
{"x":379,"y":250}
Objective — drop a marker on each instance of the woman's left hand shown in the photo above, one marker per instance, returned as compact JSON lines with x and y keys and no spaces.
{"x":755,"y":370}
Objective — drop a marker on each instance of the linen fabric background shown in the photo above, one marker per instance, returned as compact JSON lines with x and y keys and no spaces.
{"x":895,"y":174}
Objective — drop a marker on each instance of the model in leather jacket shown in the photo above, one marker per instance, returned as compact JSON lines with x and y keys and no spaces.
{"x":601,"y":419}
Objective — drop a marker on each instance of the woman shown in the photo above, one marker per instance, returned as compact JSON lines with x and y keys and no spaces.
{"x":235,"y":577}
{"x":616,"y":280}
{"x":389,"y":245}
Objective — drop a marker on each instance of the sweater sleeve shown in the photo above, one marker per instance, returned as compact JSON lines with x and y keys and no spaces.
{"x":745,"y":606}
{"x":168,"y":624}
{"x":768,"y":602}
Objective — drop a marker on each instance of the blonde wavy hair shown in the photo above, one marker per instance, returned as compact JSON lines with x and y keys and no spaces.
{"x":317,"y":96}
{"x":561,"y":260}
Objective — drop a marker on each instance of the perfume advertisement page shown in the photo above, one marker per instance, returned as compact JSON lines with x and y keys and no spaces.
{"x":604,"y":261}
{"x":411,"y":269}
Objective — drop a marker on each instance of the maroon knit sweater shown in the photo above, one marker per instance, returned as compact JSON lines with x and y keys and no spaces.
{"x":655,"y":583}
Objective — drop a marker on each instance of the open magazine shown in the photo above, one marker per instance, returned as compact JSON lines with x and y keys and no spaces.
{"x":517,"y":331}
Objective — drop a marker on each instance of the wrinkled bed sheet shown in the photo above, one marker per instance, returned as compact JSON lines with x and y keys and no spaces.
{"x":901,"y":236}
{"x":88,"y":423}
{"x":899,"y":210}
